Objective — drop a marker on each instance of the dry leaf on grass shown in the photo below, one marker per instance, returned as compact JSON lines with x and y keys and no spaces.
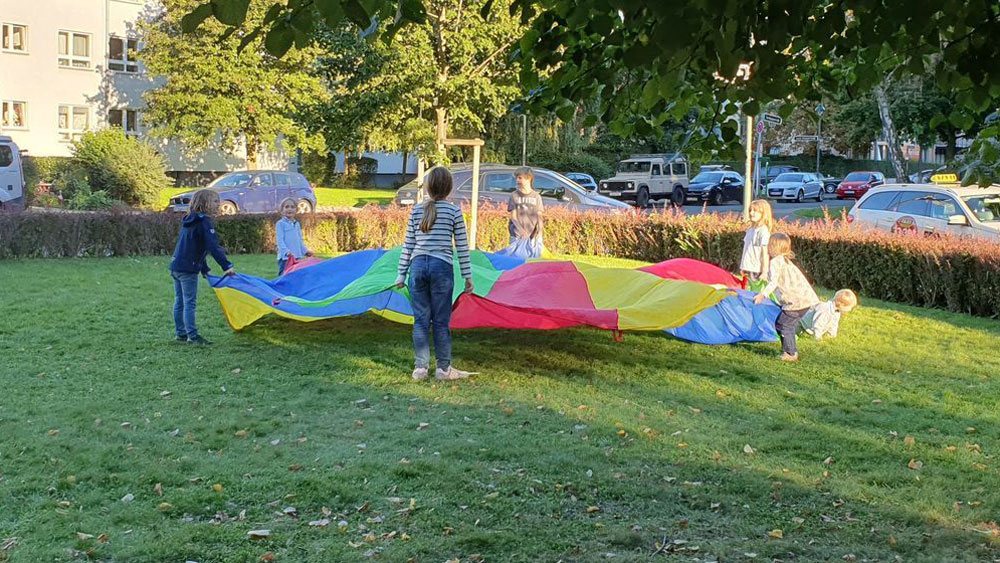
{"x":158,"y":489}
{"x":776,"y":534}
{"x":258,"y":534}
{"x":747,"y":449}
{"x":915,"y":464}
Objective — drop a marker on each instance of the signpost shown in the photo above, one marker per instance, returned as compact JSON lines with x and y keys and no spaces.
{"x":820,"y":110}
{"x":748,"y":186}
{"x":772,"y":119}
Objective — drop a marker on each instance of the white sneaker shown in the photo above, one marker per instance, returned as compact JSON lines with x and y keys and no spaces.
{"x":419,"y":374}
{"x":451,"y":374}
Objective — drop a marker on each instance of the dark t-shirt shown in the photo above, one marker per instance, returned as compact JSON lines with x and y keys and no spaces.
{"x":527,"y":219}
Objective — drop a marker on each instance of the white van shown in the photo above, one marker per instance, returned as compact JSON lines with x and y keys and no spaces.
{"x":11,"y":175}
{"x":930,"y":210}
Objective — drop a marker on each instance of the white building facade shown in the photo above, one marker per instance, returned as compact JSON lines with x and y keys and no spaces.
{"x":69,"y":66}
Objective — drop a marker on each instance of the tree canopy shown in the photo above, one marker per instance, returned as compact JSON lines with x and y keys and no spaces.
{"x":220,"y":87}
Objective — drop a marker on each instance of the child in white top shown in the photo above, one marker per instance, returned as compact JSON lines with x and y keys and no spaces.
{"x":755,"y":260}
{"x":824,"y":319}
{"x":288,"y":235}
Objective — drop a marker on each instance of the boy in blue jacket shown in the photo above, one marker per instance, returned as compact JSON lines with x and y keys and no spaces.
{"x":197,"y":239}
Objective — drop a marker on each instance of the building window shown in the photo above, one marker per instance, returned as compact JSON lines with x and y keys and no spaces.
{"x":14,"y":37}
{"x":122,"y":54}
{"x":74,"y":49}
{"x":73,"y":122}
{"x":127,"y":119}
{"x":14,"y":114}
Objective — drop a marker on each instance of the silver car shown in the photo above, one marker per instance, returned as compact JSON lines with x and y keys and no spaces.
{"x":497,"y":182}
{"x":796,"y":186}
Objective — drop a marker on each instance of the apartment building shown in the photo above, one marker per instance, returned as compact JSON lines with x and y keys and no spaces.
{"x":68,"y":66}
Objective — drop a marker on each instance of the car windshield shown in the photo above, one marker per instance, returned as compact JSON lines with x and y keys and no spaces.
{"x":632,"y":166}
{"x":857,"y":177}
{"x":788,"y":178}
{"x":986,"y":207}
{"x":232,"y":181}
{"x":708,"y":177}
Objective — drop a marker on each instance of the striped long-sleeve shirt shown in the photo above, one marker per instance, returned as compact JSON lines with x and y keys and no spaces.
{"x":447,"y":235}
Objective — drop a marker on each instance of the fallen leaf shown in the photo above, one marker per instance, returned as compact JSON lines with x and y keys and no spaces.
{"x":165,"y":506}
{"x":165,"y":394}
{"x":237,"y":371}
{"x":53,"y":432}
{"x":682,"y":445}
{"x":71,"y":479}
{"x":798,"y":520}
{"x":158,"y":489}
{"x":593,"y":509}
{"x":126,"y":425}
{"x":747,"y":449}
{"x":950,"y":448}
{"x":128,"y":498}
{"x":83,"y":537}
{"x":909,"y":441}
{"x":970,"y":429}
{"x":295,"y":467}
{"x":241,"y":433}
{"x":876,"y":401}
{"x":258,"y":534}
{"x":103,"y":538}
{"x":423,"y":426}
{"x":217,"y":488}
{"x":622,"y":433}
{"x":776,"y":534}
{"x":267,"y":556}
{"x":915,"y":464}
{"x":289,"y":511}
{"x":320,"y":523}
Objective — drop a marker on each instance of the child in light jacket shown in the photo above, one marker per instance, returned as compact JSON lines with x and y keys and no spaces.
{"x":824,"y":318}
{"x":288,"y":235}
{"x":795,"y":295}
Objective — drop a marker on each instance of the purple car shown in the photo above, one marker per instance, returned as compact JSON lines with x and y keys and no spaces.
{"x":255,"y":191}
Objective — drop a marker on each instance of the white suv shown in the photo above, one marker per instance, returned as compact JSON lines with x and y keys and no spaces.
{"x":11,"y":175}
{"x":931,"y":210}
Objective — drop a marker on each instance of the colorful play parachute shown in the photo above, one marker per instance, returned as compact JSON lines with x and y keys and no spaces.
{"x":691,"y":299}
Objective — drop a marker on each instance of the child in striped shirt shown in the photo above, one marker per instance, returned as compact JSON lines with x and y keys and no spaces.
{"x":435,"y":230}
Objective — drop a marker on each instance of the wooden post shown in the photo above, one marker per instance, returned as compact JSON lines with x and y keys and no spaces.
{"x":475,"y":197}
{"x":749,"y":187}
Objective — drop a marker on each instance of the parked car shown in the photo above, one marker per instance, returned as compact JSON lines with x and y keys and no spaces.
{"x":11,"y":175}
{"x":584,"y":180}
{"x":772,"y":172}
{"x":796,"y":186}
{"x":716,"y":186}
{"x":856,"y":184}
{"x":496,"y":183}
{"x":645,"y":177}
{"x":255,"y":191}
{"x":830,"y":184}
{"x":924,"y":176}
{"x":931,"y":210}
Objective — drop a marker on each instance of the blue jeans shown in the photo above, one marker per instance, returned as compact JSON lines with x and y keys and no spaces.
{"x":432,"y":282}
{"x":787,"y":324}
{"x":185,"y":299}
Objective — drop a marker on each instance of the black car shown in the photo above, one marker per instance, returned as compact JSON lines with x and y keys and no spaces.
{"x":772,"y":172}
{"x":716,"y":187}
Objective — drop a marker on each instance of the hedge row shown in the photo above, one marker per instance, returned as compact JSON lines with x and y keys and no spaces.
{"x":945,"y":272}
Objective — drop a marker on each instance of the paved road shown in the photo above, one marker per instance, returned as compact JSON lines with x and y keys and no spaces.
{"x":781,"y":209}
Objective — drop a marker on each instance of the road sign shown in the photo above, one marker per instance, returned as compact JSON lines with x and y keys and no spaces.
{"x":760,"y":127}
{"x":820,"y":109}
{"x":805,"y":138}
{"x":772,"y":119}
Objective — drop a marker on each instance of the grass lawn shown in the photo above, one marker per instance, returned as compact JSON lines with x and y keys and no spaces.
{"x":118,"y":445}
{"x":327,"y":197}
{"x":835,"y":213}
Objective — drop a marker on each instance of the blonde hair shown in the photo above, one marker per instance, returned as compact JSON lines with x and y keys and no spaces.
{"x":438,"y":182}
{"x":845,"y":300}
{"x":766,"y":216}
{"x":203,"y":201}
{"x":780,"y":245}
{"x":524,"y":171}
{"x":291,"y":200}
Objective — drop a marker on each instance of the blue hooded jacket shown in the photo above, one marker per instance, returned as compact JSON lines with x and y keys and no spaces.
{"x":197,"y":240}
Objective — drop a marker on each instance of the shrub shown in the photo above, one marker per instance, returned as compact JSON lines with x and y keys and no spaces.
{"x":944,"y":272}
{"x":125,"y":167}
{"x":573,"y":162}
{"x":90,"y":201}
{"x":42,"y":169}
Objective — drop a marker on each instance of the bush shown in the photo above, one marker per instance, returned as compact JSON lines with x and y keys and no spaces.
{"x":944,"y":272}
{"x":125,"y":167}
{"x":573,"y":162}
{"x":42,"y":170}
{"x":90,"y":201}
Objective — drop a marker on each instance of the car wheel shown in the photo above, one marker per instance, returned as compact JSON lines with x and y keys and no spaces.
{"x":715,"y":198}
{"x":830,"y":188}
{"x":800,"y":197}
{"x":642,"y":198}
{"x":304,"y":206}
{"x":227,"y":208}
{"x":819,"y":194}
{"x":677,"y":197}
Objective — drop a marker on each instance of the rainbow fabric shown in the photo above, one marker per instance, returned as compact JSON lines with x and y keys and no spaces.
{"x":689,"y":299}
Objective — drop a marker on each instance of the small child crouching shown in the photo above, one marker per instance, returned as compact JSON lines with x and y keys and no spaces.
{"x":823,"y":319}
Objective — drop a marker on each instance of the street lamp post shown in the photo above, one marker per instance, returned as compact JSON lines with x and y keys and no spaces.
{"x":820,"y":110}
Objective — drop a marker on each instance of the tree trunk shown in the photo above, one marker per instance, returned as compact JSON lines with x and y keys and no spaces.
{"x":405,"y":157}
{"x":889,"y":132}
{"x":950,"y":148}
{"x":253,"y":150}
{"x":347,"y":163}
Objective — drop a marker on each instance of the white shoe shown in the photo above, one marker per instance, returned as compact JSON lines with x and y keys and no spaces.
{"x":451,"y":374}
{"x":419,"y":374}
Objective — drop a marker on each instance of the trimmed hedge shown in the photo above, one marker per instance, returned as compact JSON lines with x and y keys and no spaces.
{"x":946,"y":272}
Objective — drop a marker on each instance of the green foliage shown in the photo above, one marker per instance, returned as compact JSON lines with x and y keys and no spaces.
{"x":126,"y":168}
{"x":575,"y":162}
{"x":226,"y":91}
{"x":386,"y":96}
{"x":90,"y":201}
{"x":42,"y":169}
